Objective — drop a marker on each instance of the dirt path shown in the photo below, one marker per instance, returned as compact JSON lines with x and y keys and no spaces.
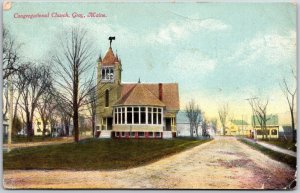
{"x":224,"y":163}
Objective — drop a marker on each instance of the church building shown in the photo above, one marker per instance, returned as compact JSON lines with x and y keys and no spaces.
{"x":133,"y":110}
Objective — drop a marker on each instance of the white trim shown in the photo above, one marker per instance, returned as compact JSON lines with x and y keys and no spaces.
{"x":119,"y":111}
{"x":152,"y":116}
{"x":146,"y":115}
{"x":125,"y":116}
{"x":122,"y":134}
{"x":139,"y":115}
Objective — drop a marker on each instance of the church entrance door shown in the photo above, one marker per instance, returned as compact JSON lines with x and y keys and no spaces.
{"x":109,"y":123}
{"x":168,"y":124}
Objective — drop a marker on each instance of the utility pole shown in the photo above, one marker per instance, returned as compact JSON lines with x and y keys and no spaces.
{"x":11,"y":100}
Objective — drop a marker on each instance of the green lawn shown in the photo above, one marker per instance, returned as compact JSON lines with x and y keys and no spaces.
{"x":286,"y":144}
{"x":96,"y":154}
{"x":290,"y":160}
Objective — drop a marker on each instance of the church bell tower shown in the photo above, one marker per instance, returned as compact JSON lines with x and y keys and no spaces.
{"x":108,"y":88}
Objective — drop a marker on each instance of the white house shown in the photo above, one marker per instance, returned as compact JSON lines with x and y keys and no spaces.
{"x":183,"y":126}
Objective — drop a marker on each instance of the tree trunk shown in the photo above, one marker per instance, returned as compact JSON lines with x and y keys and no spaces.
{"x":44,"y":129}
{"x":75,"y":108}
{"x":75,"y":123}
{"x":293,"y":126}
{"x":66,"y":123}
{"x":93,"y":126}
{"x":29,"y":130}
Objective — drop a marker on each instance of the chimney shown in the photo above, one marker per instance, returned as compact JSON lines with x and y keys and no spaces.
{"x":160,"y":90}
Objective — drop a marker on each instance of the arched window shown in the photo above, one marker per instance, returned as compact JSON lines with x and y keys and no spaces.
{"x":107,"y":98}
{"x":103,"y":73}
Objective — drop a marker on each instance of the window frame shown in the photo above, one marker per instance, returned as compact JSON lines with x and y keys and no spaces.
{"x":138,"y":115}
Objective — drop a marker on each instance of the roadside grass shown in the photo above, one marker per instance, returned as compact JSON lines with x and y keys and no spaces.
{"x":23,"y":139}
{"x":290,"y":160}
{"x":286,"y":144}
{"x":96,"y":154}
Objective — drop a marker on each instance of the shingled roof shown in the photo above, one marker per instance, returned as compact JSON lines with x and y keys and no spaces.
{"x":239,"y":122}
{"x":170,"y":94}
{"x":109,"y":58}
{"x":139,"y":95}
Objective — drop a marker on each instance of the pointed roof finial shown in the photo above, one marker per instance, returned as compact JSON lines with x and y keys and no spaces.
{"x":100,"y":58}
{"x":117,"y":54}
{"x":139,"y":81}
{"x":110,"y":40}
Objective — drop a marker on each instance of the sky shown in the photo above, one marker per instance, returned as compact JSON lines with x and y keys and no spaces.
{"x":217,"y":52}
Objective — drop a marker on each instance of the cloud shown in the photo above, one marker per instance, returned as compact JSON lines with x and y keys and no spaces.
{"x":182,"y":30}
{"x":191,"y":63}
{"x":272,"y":48}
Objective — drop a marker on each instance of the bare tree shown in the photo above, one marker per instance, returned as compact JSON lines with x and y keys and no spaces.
{"x":194,"y":114}
{"x":214,"y":123}
{"x":36,"y":81}
{"x":74,"y":69}
{"x":45,"y":107}
{"x":92,"y":102}
{"x":290,"y":95}
{"x":11,"y":64}
{"x":204,"y":127}
{"x":223,"y":116}
{"x":64,"y":111}
{"x":5,"y":100}
{"x":260,"y":114}
{"x":11,"y":56}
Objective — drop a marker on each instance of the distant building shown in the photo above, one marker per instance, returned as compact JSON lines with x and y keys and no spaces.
{"x":271,"y":124}
{"x":183,"y":125}
{"x":38,"y":127}
{"x":5,"y":126}
{"x":239,"y":127}
{"x":286,"y":132}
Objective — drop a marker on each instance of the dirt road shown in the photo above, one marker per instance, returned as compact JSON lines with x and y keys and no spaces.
{"x":224,"y":163}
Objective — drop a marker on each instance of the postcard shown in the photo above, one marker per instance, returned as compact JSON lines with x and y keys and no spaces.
{"x":169,"y":95}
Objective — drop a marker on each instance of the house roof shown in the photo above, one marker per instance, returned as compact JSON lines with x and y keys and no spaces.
{"x":109,"y":58}
{"x":139,"y":95}
{"x":181,"y":118}
{"x":170,"y":94}
{"x":239,"y":122}
{"x":271,"y":120}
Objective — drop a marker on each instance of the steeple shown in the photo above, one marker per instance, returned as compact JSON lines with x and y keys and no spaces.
{"x":109,"y":58}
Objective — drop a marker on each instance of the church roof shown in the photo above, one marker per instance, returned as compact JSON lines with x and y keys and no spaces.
{"x":109,"y":58}
{"x":170,"y":94}
{"x":139,"y":95}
